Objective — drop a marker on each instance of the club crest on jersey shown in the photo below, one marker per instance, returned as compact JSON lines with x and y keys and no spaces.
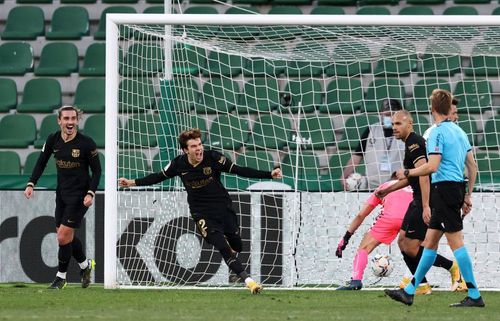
{"x":75,"y":153}
{"x":207,"y":170}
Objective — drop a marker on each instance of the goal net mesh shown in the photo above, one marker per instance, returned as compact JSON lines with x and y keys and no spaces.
{"x":298,"y":97}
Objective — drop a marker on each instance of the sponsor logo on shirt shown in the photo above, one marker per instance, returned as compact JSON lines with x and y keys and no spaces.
{"x":207,"y":170}
{"x":413,"y":147}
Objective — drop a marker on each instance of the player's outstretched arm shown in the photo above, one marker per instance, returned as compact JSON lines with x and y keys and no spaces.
{"x":151,"y":179}
{"x":381,"y":193}
{"x":356,"y":222}
{"x":124,"y":182}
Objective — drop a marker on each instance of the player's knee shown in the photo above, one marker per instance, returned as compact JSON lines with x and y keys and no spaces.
{"x":235,"y":243}
{"x":64,"y":236}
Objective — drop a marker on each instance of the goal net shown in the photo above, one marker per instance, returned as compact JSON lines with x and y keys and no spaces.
{"x":269,"y":93}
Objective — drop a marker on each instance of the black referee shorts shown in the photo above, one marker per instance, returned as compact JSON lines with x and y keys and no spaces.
{"x":413,"y":222}
{"x":447,"y":199}
{"x":70,"y":211}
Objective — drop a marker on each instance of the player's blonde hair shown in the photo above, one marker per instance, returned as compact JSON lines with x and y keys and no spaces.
{"x":441,"y":101}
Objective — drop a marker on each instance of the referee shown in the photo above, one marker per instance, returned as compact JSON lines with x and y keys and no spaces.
{"x":449,"y":150}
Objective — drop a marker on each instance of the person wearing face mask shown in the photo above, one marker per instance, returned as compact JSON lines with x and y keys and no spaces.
{"x":381,"y":152}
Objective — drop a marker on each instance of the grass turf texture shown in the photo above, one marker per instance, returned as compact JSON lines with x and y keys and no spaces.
{"x":35,"y":302}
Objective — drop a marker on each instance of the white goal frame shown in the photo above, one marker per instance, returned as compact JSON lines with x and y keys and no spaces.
{"x":111,"y":134}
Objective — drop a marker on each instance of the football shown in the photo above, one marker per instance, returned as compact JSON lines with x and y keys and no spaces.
{"x":353,"y":181}
{"x":382,"y":265}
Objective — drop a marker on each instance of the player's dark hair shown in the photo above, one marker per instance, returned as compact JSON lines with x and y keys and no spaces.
{"x":441,"y":101}
{"x":455,"y":101}
{"x":187,"y":135}
{"x":68,"y":107}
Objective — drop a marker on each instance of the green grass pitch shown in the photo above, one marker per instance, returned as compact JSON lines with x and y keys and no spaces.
{"x":35,"y":302}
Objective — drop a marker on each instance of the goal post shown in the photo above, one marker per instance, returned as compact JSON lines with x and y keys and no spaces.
{"x":291,"y":91}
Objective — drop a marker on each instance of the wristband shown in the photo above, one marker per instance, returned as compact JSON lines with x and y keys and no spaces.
{"x":30,"y":184}
{"x":91,"y":193}
{"x":406,"y":173}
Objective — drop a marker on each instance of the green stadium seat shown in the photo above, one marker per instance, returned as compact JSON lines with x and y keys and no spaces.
{"x":163,"y":1}
{"x":460,"y":10}
{"x":141,"y":131}
{"x":353,"y":129}
{"x":425,"y":2}
{"x":373,"y":10}
{"x":313,"y":63}
{"x":155,"y":9}
{"x":10,"y":163}
{"x":90,"y":95}
{"x":34,"y":1}
{"x":381,"y":89}
{"x":188,"y":59}
{"x":474,"y":94}
{"x":343,"y":96}
{"x":58,"y":59}
{"x":69,"y":23}
{"x":24,"y":23}
{"x":251,"y":2}
{"x":120,"y":1}
{"x":282,"y":32}
{"x":336,"y":164}
{"x":94,"y":127}
{"x":416,"y":11}
{"x":228,"y":132}
{"x":484,"y":60}
{"x":186,"y":93}
{"x":269,"y":66}
{"x":488,"y":164}
{"x":17,"y":131}
{"x":259,"y":95}
{"x":259,"y":159}
{"x":240,"y":33}
{"x":132,"y":163}
{"x":307,"y":93}
{"x":491,"y":139}
{"x":327,"y":10}
{"x":270,"y":132}
{"x":398,"y":59}
{"x":317,"y":133}
{"x":193,"y":121}
{"x":8,"y":92}
{"x":351,"y":58}
{"x":143,"y":59}
{"x":469,"y":126}
{"x":437,"y":64}
{"x":219,"y":95}
{"x":94,"y":62}
{"x":420,"y":123}
{"x":100,"y":34}
{"x":308,"y":173}
{"x":40,"y":95}
{"x":378,"y":2}
{"x":223,"y":64}
{"x":340,"y":3}
{"x":291,"y":2}
{"x":202,"y":31}
{"x":78,"y":1}
{"x":16,"y":58}
{"x":422,"y":90}
{"x":472,"y":2}
{"x":49,"y":125}
{"x":30,"y":163}
{"x":136,"y":95}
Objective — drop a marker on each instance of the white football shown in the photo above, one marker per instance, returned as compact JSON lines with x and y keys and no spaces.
{"x":382,"y":265}
{"x":353,"y":181}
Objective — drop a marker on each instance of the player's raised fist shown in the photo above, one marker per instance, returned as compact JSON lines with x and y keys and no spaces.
{"x":276,"y":173}
{"x":123,"y":182}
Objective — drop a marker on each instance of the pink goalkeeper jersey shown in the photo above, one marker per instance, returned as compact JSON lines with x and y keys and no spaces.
{"x":395,"y":204}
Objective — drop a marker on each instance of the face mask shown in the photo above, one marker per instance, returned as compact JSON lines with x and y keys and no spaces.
{"x":386,"y":122}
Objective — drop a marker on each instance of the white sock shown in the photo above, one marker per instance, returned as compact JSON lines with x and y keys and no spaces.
{"x":248,"y":280}
{"x":84,"y":264}
{"x":62,"y":275}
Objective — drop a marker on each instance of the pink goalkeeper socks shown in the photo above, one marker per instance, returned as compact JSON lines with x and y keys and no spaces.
{"x":359,"y":265}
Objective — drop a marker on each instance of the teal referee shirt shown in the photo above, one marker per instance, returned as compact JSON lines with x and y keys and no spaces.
{"x":451,"y":142}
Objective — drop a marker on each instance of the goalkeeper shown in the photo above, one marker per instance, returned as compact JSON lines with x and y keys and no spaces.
{"x":209,"y":202}
{"x":384,"y":230}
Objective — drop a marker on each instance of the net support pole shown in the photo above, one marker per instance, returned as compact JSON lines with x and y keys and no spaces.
{"x":111,"y":163}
